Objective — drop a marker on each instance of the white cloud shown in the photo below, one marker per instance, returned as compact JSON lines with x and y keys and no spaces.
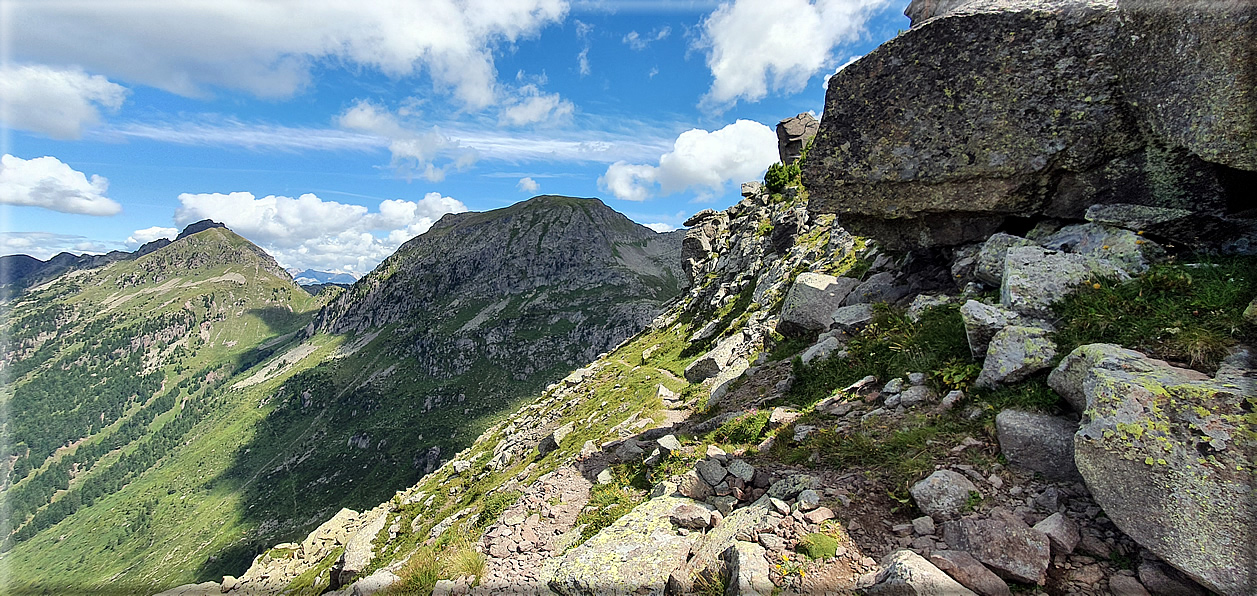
{"x":639,"y":42}
{"x":754,"y":46}
{"x":660,"y":227}
{"x":268,"y":49}
{"x":583,"y":30}
{"x":849,"y":62}
{"x":582,"y":62}
{"x":528,"y":185}
{"x":45,"y":245}
{"x":57,"y":103}
{"x":47,"y":182}
{"x":533,"y":106}
{"x":699,"y":159}
{"x":310,"y":233}
{"x":412,"y":149}
{"x":141,"y":237}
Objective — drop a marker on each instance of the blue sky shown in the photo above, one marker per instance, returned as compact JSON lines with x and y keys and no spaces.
{"x":329,"y":132}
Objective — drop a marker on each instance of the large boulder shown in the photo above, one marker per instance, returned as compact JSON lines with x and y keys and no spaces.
{"x":905,"y":573}
{"x":811,"y":301}
{"x":1016,"y":353}
{"x":1168,"y":453}
{"x":747,"y":569}
{"x":1036,"y":278}
{"x":793,"y":135}
{"x":635,"y":555}
{"x":1188,"y":71}
{"x":1002,"y":109}
{"x":360,"y":550}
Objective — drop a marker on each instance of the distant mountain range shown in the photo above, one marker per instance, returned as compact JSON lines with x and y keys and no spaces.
{"x":310,"y":277}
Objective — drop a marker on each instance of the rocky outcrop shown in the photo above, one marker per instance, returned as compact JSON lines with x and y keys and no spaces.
{"x":812,"y":300}
{"x":793,"y":134}
{"x":1168,"y":454}
{"x":1016,"y":108}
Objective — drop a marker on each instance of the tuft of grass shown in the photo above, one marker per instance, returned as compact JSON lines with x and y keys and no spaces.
{"x":817,"y":546}
{"x":903,"y":454}
{"x":467,"y":561}
{"x":1185,"y":313}
{"x":419,"y":575}
{"x":495,"y":504}
{"x":744,"y":429}
{"x":891,"y":346}
{"x":1032,"y":394}
{"x":607,"y":503}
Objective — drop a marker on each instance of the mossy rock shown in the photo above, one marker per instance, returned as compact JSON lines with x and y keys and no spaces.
{"x":818,"y":546}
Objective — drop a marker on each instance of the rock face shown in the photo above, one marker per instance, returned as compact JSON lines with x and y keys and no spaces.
{"x":635,"y":555}
{"x":1168,"y":454}
{"x":1022,"y":108}
{"x":793,"y":135}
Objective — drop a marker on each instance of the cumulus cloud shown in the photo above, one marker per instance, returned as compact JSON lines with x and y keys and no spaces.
{"x":308,"y":232}
{"x":528,"y":185}
{"x":47,"y":182}
{"x":639,"y":42}
{"x":533,"y":106}
{"x":660,"y":227}
{"x":59,"y":103}
{"x":141,"y":237}
{"x":413,"y":149}
{"x":699,"y":159}
{"x":754,"y":46}
{"x":181,"y":46}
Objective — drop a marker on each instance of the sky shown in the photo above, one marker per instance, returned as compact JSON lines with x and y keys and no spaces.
{"x":330,"y":132}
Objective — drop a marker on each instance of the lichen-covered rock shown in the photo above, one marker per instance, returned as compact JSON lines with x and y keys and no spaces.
{"x":812,"y":300}
{"x":714,"y":361}
{"x":942,"y":494}
{"x":360,"y":549}
{"x":634,"y":555}
{"x":1124,"y":248}
{"x":852,"y":318}
{"x":982,"y":322}
{"x":821,"y":349}
{"x":1188,"y":70}
{"x":919,"y":11}
{"x":708,"y":554}
{"x":1016,"y":353}
{"x":905,"y":573}
{"x":1250,"y":313}
{"x":989,"y":268}
{"x":1036,"y":278}
{"x":1168,"y":453}
{"x":1004,"y":543}
{"x":791,"y":486}
{"x":1038,"y":442}
{"x":379,"y":581}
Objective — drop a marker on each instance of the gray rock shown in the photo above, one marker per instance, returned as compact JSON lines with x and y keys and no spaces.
{"x":742,"y":470}
{"x":1124,"y":585}
{"x":802,"y":432}
{"x":724,"y":380}
{"x":782,"y":416}
{"x":791,"y":486}
{"x":924,"y":302}
{"x":1039,"y":443}
{"x":554,"y":439}
{"x":692,"y":486}
{"x":696,"y":516}
{"x":669,"y":443}
{"x":916,"y":378}
{"x":810,"y":302}
{"x":754,"y":187}
{"x":1250,"y":313}
{"x":1004,"y":543}
{"x":793,"y":135}
{"x":982,"y":322}
{"x":923,"y":526}
{"x":634,"y":555}
{"x":1035,"y":279}
{"x":952,"y":398}
{"x":808,"y":500}
{"x":1124,"y":248}
{"x":990,"y":265}
{"x":629,"y":450}
{"x":1161,"y":453}
{"x":379,"y":581}
{"x":893,"y":386}
{"x":711,"y":471}
{"x":970,"y":572}
{"x":881,"y":287}
{"x":852,"y":318}
{"x":748,"y":570}
{"x":444,"y":587}
{"x":917,"y":395}
{"x":1061,"y":531}
{"x":1165,"y":222}
{"x":919,"y":11}
{"x":713,"y":362}
{"x":943,"y":494}
{"x":821,"y":350}
{"x":905,"y":573}
{"x":359,"y":550}
{"x":772,"y":542}
{"x":460,"y":466}
{"x":1162,"y":580}
{"x":708,"y":555}
{"x":605,"y":476}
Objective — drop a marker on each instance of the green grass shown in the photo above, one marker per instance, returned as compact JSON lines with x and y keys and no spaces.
{"x":745,"y":429}
{"x":1175,"y":312}
{"x":608,"y":502}
{"x":891,"y":346}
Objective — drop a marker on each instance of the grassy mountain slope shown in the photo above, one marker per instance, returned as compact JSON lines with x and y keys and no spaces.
{"x":394,"y":375}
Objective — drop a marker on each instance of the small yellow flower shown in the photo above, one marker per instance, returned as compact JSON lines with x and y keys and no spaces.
{"x":1140,"y":232}
{"x":1139,"y":242}
{"x":1096,"y":286}
{"x":1105,"y":247}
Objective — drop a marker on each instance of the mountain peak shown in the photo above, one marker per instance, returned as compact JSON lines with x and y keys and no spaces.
{"x":200,"y":226}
